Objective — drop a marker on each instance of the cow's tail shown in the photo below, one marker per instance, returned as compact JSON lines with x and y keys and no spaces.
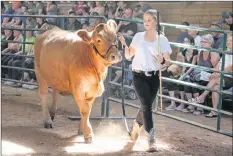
{"x":37,"y":52}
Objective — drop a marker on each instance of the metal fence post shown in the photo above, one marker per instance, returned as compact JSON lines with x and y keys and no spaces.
{"x":221,"y":85}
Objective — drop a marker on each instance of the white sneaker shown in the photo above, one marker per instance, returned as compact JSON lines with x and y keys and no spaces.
{"x":171,"y":107}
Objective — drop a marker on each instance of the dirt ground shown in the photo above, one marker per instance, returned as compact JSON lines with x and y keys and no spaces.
{"x":23,"y":133}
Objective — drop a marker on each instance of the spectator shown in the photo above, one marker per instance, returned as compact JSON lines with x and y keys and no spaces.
{"x":79,"y":7}
{"x":214,"y":82}
{"x":93,"y":22}
{"x":195,"y":35}
{"x":122,"y":5}
{"x":51,"y":10}
{"x":138,"y":14}
{"x":127,"y":28}
{"x":91,"y":6}
{"x":40,"y":22}
{"x":37,"y":8}
{"x":183,"y":34}
{"x":12,"y":49}
{"x":17,"y":11}
{"x":111,"y":13}
{"x":18,"y":61}
{"x":206,"y":59}
{"x":8,"y":36}
{"x":100,"y":9}
{"x":190,"y":56}
{"x":9,"y":11}
{"x":72,"y":23}
{"x":227,"y":18}
{"x":31,"y":22}
{"x":144,"y":6}
{"x":218,"y":37}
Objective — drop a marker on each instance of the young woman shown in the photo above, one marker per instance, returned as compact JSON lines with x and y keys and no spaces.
{"x":145,"y":67}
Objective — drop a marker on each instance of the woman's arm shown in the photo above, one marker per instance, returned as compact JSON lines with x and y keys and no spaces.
{"x":214,"y":59}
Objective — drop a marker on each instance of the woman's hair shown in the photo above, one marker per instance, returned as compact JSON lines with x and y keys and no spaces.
{"x":153,"y":13}
{"x":208,"y":37}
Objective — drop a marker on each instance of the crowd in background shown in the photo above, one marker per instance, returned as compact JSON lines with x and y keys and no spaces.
{"x":113,"y":9}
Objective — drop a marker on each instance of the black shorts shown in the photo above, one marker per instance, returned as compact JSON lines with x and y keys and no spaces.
{"x":228,"y":83}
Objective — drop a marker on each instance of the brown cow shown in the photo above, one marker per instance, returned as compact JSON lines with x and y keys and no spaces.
{"x":74,"y":62}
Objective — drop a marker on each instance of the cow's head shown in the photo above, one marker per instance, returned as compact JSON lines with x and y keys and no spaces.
{"x":104,"y":41}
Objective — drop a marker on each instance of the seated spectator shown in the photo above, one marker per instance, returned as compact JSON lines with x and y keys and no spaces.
{"x":218,"y":37}
{"x":111,"y":13}
{"x":91,"y":6}
{"x":100,"y":9}
{"x":79,"y":7}
{"x":12,"y":49}
{"x":110,"y":6}
{"x":72,"y":23}
{"x":189,"y":56}
{"x":31,"y":22}
{"x":8,"y":36}
{"x":127,"y":28}
{"x":139,"y":12}
{"x":143,"y":7}
{"x":122,"y":5}
{"x":37,"y":8}
{"x":206,"y":59}
{"x":51,"y":10}
{"x":18,"y":61}
{"x":183,"y":33}
{"x":214,"y":82}
{"x":228,"y":19}
{"x":93,"y":22}
{"x":9,"y":11}
{"x":16,"y":7}
{"x":195,"y":35}
{"x":39,"y":23}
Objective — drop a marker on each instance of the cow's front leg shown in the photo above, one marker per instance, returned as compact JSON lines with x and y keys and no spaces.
{"x":85,"y":109}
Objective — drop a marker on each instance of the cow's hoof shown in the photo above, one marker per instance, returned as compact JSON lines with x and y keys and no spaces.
{"x":48,"y":125}
{"x":88,"y":140}
{"x":80,"y":132}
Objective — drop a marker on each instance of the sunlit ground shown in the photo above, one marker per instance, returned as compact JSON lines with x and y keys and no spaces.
{"x":109,"y":144}
{"x":10,"y":148}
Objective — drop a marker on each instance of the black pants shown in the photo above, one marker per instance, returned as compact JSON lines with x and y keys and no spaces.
{"x":146,"y":89}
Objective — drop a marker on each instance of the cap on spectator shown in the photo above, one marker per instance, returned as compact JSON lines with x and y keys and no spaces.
{"x":218,"y":24}
{"x":209,"y":38}
{"x":226,"y":14}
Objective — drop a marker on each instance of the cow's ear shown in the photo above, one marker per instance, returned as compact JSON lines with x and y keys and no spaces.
{"x":83,"y":34}
{"x":111,"y":23}
{"x":99,"y":27}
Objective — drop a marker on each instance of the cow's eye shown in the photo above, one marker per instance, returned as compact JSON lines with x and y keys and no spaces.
{"x":99,"y":41}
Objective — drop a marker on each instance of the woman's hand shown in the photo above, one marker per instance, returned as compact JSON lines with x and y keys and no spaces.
{"x":160,"y":58}
{"x":122,"y":40}
{"x":214,"y":75}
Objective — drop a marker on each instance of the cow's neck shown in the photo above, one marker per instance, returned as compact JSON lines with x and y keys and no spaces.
{"x":100,"y":66}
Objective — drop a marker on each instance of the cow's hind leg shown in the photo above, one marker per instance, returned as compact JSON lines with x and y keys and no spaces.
{"x":43,"y":94}
{"x":53,"y":107}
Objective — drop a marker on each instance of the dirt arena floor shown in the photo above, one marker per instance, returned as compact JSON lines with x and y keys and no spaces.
{"x":23,"y":133}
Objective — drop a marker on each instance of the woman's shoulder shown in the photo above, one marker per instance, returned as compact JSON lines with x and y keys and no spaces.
{"x":139,"y":34}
